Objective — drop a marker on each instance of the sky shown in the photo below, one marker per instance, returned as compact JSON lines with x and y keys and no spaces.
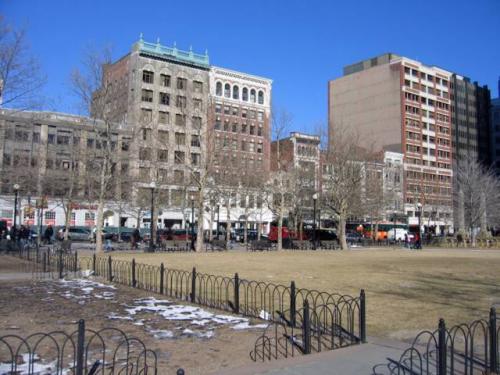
{"x":300,"y":45}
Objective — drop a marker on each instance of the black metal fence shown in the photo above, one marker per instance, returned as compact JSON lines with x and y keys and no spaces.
{"x":310,"y":330}
{"x":466,"y":349}
{"x":250,"y":298}
{"x":84,"y":351}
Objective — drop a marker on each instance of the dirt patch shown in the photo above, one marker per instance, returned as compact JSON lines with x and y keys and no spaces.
{"x":196,"y":339}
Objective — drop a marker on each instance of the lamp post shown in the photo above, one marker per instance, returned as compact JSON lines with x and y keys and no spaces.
{"x":315,"y":198}
{"x":419,"y":207}
{"x":192,"y":222}
{"x":152,"y":186}
{"x":14,"y":229}
{"x":218,"y":221}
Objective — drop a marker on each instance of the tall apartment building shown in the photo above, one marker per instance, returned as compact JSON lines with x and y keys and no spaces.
{"x":239,"y":120}
{"x":401,"y":105}
{"x":495,"y":134}
{"x":470,"y":119}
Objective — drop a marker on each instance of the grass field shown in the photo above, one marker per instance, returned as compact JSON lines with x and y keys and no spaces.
{"x":407,"y":291}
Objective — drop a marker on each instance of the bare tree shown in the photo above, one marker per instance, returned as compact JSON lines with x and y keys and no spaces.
{"x":21,"y":77}
{"x":343,"y":180}
{"x":95,"y":92}
{"x":279,"y":185}
{"x":477,"y":196}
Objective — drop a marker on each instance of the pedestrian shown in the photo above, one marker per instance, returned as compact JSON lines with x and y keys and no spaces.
{"x":406,"y":240}
{"x":136,"y":237}
{"x":47,"y":235}
{"x":417,"y":241}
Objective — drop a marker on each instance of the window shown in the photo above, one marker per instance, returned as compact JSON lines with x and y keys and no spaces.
{"x":226,"y":110}
{"x":218,"y":89}
{"x":165,"y":80}
{"x":195,"y":159}
{"x":181,"y":83}
{"x":218,"y":108}
{"x":178,"y":177}
{"x":180,"y":119}
{"x":260,"y":116}
{"x":63,"y":139}
{"x":162,"y":155}
{"x":259,"y":148}
{"x":251,"y":147}
{"x":261,"y":97}
{"x":163,"y":136}
{"x":147,"y":96}
{"x":198,"y":104}
{"x":235,"y":111}
{"x":146,"y":134}
{"x":244,"y":113}
{"x":236,"y":92}
{"x":164,"y":98}
{"x":252,"y":129}
{"x":195,"y":141}
{"x":144,"y":173}
{"x":252,"y":115}
{"x":244,"y":95}
{"x":259,"y":131}
{"x":227,"y":90}
{"x":144,"y":153}
{"x":196,"y":121}
{"x":147,"y":76}
{"x":51,"y":139}
{"x":252,"y":95}
{"x":226,"y":125}
{"x":146,"y":115}
{"x":243,"y":145}
{"x":163,"y":117}
{"x":180,"y":139}
{"x":180,"y":101}
{"x":198,"y":87}
{"x":218,"y":124}
{"x":90,"y":143}
{"x":180,"y":157}
{"x":235,"y":127}
{"x":50,"y":215}
{"x":76,"y":140}
{"x":244,"y":128}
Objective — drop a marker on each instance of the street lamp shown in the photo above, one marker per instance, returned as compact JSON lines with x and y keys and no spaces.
{"x":315,"y":198}
{"x":152,"y":186}
{"x":14,"y":229}
{"x":192,"y":222}
{"x":419,"y":207}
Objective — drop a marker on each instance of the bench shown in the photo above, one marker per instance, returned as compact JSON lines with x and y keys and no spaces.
{"x":260,"y":245}
{"x":216,"y":245}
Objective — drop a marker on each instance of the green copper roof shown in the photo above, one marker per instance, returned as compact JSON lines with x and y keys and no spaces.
{"x":188,"y":57}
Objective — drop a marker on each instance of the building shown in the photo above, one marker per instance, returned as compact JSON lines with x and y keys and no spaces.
{"x":470,"y":119}
{"x":239,"y":117}
{"x":401,"y":105}
{"x":495,"y":132}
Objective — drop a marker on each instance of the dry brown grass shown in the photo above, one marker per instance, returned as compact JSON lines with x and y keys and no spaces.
{"x":406,"y":290}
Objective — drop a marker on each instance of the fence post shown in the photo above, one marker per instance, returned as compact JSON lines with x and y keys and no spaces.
{"x":441,"y":347}
{"x":60,"y":265}
{"x":162,"y":272}
{"x":80,"y":347}
{"x":93,"y":264}
{"x":293,"y":304}
{"x":493,"y":341}
{"x":110,"y":269}
{"x":236,"y":293}
{"x":76,"y":261}
{"x":193,"y":286}
{"x":362,"y":316}
{"x":134,"y":280}
{"x":306,"y":329}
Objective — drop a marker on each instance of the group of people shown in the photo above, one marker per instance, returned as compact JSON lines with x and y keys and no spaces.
{"x":413,"y":243}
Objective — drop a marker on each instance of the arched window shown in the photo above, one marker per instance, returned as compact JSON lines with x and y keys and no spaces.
{"x":245,"y":94}
{"x":218,"y":89}
{"x":236,"y":92}
{"x":227,"y":90}
{"x":261,"y":97}
{"x":252,"y":95}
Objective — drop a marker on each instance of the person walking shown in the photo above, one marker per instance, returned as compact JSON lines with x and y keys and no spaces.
{"x":136,"y":237}
{"x":47,"y":235}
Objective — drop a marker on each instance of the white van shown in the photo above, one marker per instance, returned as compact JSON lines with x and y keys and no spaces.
{"x":400,"y":234}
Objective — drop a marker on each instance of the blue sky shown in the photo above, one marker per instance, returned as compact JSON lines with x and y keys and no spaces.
{"x":298,"y":44}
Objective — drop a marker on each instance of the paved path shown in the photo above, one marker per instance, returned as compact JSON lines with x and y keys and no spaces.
{"x":366,"y":359}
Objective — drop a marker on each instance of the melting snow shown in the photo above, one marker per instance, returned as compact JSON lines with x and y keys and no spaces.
{"x":23,"y":367}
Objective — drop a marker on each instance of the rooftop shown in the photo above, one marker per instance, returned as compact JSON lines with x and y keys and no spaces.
{"x":173,"y":53}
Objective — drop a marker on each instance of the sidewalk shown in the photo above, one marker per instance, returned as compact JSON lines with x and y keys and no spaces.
{"x":366,"y":359}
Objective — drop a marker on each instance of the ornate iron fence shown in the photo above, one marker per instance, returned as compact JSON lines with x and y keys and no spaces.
{"x":311,"y":330}
{"x":464,"y":349}
{"x":84,"y":351}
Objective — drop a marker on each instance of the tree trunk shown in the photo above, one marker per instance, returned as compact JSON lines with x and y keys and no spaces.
{"x":211,"y":226}
{"x":67,"y":220}
{"x":245,"y":230}
{"x":341,"y":231}
{"x":280,"y":223}
{"x":199,"y":228}
{"x":100,"y":220}
{"x":228,"y":222}
{"x":259,"y":226}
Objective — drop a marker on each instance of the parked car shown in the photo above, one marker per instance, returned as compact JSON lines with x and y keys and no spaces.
{"x":74,"y":234}
{"x":353,"y":238}
{"x":106,"y":235}
{"x":240,"y":234}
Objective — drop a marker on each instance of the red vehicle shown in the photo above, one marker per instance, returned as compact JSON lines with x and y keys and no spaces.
{"x":285,"y":234}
